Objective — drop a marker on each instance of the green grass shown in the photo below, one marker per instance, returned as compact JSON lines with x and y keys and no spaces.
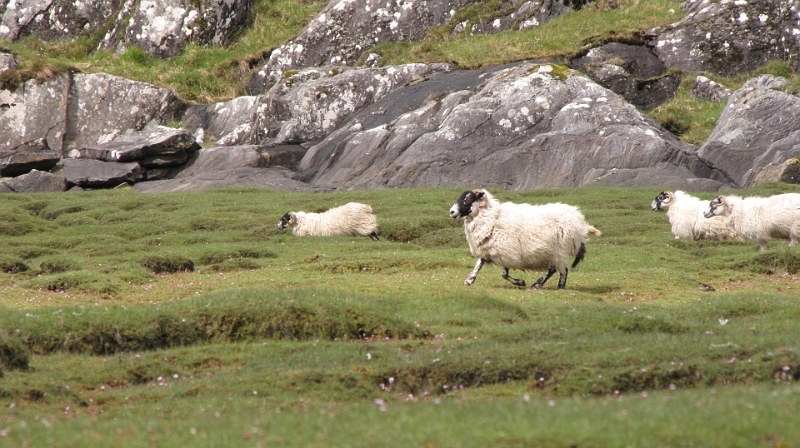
{"x":274,"y":339}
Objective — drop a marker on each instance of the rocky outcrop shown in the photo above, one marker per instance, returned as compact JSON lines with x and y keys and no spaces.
{"x":709,"y":90}
{"x":27,"y":156}
{"x":306,"y":106}
{"x":161,"y":28}
{"x":520,"y":127}
{"x":758,"y":131}
{"x":34,"y":181}
{"x":346,"y":28}
{"x":731,"y":37}
{"x":91,"y":174}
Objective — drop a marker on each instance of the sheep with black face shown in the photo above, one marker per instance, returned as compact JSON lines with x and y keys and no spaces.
{"x":522,"y":236}
{"x":760,"y":219}
{"x":685,"y":215}
{"x":352,"y":219}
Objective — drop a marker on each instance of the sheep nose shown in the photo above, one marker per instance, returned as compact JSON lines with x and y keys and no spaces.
{"x":453,"y":212}
{"x":708,"y":214}
{"x":280,"y":227}
{"x":654,"y":205}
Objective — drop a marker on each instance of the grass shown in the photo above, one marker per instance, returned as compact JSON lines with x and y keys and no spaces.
{"x":279,"y":340}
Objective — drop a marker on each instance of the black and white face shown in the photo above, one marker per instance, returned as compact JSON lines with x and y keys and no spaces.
{"x":464,"y":205}
{"x":716,"y":207}
{"x":286,"y":220}
{"x":663,"y":200}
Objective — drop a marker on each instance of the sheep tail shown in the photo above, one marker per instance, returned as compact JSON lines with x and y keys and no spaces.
{"x":580,"y":255}
{"x":594,"y":231}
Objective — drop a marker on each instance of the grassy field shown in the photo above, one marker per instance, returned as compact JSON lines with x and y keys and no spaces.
{"x":158,"y":320}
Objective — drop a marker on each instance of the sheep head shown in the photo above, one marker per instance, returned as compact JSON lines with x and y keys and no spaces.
{"x":663,"y":200}
{"x":289,"y":219}
{"x":468,"y":203}
{"x":717,"y":207}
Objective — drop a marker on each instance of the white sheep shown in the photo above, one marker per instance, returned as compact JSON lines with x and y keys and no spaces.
{"x":685,"y":214}
{"x":350,"y":219}
{"x":522,"y":236}
{"x":760,"y":219}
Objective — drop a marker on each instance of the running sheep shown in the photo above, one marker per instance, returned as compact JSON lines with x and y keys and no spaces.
{"x":352,"y":219}
{"x":522,"y":236}
{"x":685,"y":214}
{"x":760,"y":219}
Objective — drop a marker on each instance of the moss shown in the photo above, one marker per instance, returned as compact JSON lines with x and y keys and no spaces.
{"x":168,"y":264}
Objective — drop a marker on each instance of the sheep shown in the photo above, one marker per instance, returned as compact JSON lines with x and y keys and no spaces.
{"x":349,"y":219}
{"x":522,"y":236}
{"x":685,"y":214}
{"x":759,"y":218}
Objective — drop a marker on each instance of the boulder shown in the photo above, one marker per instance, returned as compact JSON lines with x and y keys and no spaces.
{"x":90,"y":174}
{"x":164,"y":28}
{"x":35,"y":181}
{"x":27,"y":156}
{"x":709,"y":90}
{"x":758,"y":130}
{"x":347,"y":28}
{"x":305,"y":106}
{"x":515,"y":15}
{"x":730,"y":37}
{"x":21,"y":114}
{"x":153,"y":147}
{"x":229,"y":166}
{"x":103,"y":107}
{"x":632,"y":71}
{"x":517,"y":127}
{"x":7,"y":62}
{"x":54,"y":19}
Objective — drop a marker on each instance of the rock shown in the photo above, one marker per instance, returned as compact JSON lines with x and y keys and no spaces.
{"x":153,"y":147}
{"x":164,"y":28}
{"x":7,"y":62}
{"x":516,"y":127}
{"x":305,"y":106}
{"x":758,"y":131}
{"x":525,"y":16}
{"x":730,"y":37}
{"x":103,"y":107}
{"x":21,"y":114}
{"x":27,"y":156}
{"x":709,"y":90}
{"x":632,"y":71}
{"x":229,"y":166}
{"x":346,"y":28}
{"x":54,"y":19}
{"x":90,"y":174}
{"x":35,"y":181}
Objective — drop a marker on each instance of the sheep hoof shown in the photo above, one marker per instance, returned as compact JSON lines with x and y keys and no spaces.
{"x":468,"y":282}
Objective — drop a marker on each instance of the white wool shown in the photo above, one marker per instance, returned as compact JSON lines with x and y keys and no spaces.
{"x":524,"y":236}
{"x":685,"y":214}
{"x":762,"y":219}
{"x":352,"y":219}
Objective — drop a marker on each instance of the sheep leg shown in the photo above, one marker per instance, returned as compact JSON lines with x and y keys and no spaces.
{"x":373,"y":236}
{"x":562,"y":279}
{"x":539,"y":283}
{"x":515,"y":281}
{"x":474,"y":274}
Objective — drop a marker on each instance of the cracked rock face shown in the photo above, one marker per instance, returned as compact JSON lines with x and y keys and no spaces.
{"x":54,"y":19}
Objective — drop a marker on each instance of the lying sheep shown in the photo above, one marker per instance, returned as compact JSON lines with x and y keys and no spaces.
{"x":522,"y":236}
{"x":350,"y":219}
{"x":760,"y":219}
{"x":685,"y":214}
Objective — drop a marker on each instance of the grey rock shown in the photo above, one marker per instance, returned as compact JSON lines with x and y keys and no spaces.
{"x":103,"y":107}
{"x":152,"y":147}
{"x":7,"y":62}
{"x":35,"y":111}
{"x":35,"y":181}
{"x":347,"y":28}
{"x":522,"y":126}
{"x":632,"y":71}
{"x":26,"y":157}
{"x":163,"y":28}
{"x":709,"y":90}
{"x":54,"y":19}
{"x":522,"y":17}
{"x":731,"y":37}
{"x":90,"y":174}
{"x":228,"y":166}
{"x":758,"y":130}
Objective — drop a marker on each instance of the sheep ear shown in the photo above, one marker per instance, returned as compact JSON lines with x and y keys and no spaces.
{"x":479,"y":195}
